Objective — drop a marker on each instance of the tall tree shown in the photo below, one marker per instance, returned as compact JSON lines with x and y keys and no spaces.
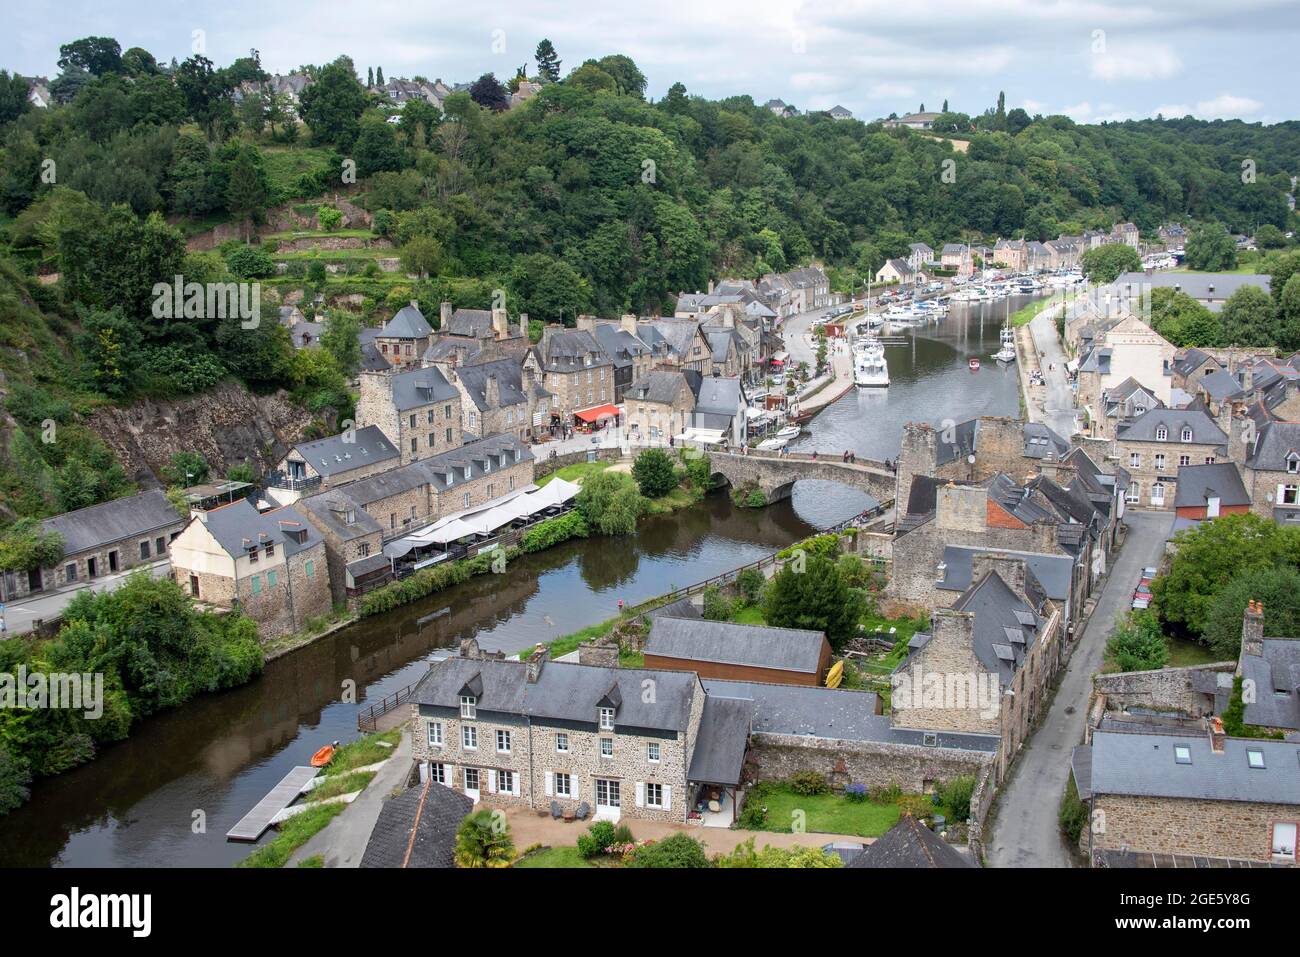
{"x":13,"y":97}
{"x":332,"y":106}
{"x":247,"y":193}
{"x":548,"y":62}
{"x":95,"y":55}
{"x":1210,"y":249}
{"x":488,"y":92}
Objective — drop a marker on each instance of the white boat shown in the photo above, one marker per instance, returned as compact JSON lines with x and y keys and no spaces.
{"x":1007,"y":351}
{"x":869,"y":365}
{"x":789,"y":432}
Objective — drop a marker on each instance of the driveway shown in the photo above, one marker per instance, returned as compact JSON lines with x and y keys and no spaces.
{"x":1059,"y":400}
{"x":1025,"y":831}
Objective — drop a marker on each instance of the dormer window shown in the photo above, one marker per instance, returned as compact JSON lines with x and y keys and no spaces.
{"x":1187,"y":434}
{"x":1162,"y":434}
{"x":1293,"y":463}
{"x":468,"y":706}
{"x":606,"y":719}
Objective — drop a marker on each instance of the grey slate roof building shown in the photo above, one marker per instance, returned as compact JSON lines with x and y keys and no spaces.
{"x":239,"y":527}
{"x":1276,"y":445}
{"x":1151,"y":765}
{"x":509,"y":380}
{"x":420,"y":387}
{"x":909,"y":843}
{"x":1005,"y":629}
{"x":1054,"y":573}
{"x":1197,"y":484}
{"x":1211,"y":289}
{"x":409,"y":323}
{"x":335,"y":454}
{"x":472,"y":460}
{"x":724,"y":642}
{"x":1192,"y":360}
{"x":1276,"y":677}
{"x":1043,"y":443}
{"x":418,"y":828}
{"x":133,"y":516}
{"x":1222,"y":386}
{"x":659,"y":385}
{"x":1203,"y":429}
{"x":720,"y":747}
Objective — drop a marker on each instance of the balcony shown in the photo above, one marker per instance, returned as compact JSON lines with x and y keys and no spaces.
{"x":292,"y":483}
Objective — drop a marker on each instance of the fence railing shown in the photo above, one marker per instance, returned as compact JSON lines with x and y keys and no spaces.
{"x":368,"y":720}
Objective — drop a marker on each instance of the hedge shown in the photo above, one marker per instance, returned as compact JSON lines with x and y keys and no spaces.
{"x":553,"y":531}
{"x":430,"y":580}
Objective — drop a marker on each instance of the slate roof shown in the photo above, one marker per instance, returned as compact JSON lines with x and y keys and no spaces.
{"x":1053,"y":572}
{"x":660,"y":385}
{"x":1274,"y":441}
{"x":718,"y":394}
{"x":239,"y":525}
{"x":372,"y":360}
{"x":1205,"y":430}
{"x":420,"y":387}
{"x":1042,"y":443}
{"x":721,"y":742}
{"x":473,"y":323}
{"x":1144,"y":765}
{"x":409,"y":323}
{"x":433,"y":471}
{"x":724,"y":642}
{"x":833,"y":713}
{"x":567,"y":350}
{"x":965,"y":435}
{"x":1001,"y":639}
{"x":1198,"y":284}
{"x":1017,"y":500}
{"x":330,"y":510}
{"x":1276,"y":670}
{"x":1198,"y":483}
{"x":432,"y":813}
{"x":909,"y":843}
{"x":510,"y":385}
{"x":563,"y":692}
{"x":922,"y":498}
{"x":1221,"y":385}
{"x":618,"y":344}
{"x":335,"y":454}
{"x":135,"y":516}
{"x":672,"y":335}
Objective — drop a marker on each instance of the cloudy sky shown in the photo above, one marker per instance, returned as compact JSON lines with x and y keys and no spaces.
{"x":1090,"y":59}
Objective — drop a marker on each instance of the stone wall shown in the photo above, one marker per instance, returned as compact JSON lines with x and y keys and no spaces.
{"x":913,"y":768}
{"x":1162,"y":825}
{"x":1168,"y":689}
{"x":545,"y":464}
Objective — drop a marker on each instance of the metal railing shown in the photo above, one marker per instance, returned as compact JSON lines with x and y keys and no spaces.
{"x":292,"y":483}
{"x":368,"y":720}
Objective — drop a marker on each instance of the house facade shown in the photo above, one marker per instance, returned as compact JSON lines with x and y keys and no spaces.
{"x":418,"y":410}
{"x":1155,"y":446}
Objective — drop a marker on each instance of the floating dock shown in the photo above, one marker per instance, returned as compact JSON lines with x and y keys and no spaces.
{"x":252,"y":824}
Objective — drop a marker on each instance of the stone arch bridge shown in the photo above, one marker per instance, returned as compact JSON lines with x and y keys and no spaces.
{"x":776,"y":474}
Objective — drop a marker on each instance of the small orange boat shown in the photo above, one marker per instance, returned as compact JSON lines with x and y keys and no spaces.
{"x":324,"y":756}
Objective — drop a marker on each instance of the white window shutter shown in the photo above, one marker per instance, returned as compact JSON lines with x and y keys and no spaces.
{"x":450,"y":771}
{"x":668,"y":797}
{"x":573,"y":786}
{"x":640,"y":794}
{"x":424,"y":772}
{"x":492,"y":782}
{"x":550,"y":783}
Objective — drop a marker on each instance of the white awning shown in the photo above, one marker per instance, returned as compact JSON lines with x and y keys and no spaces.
{"x":1072,"y":365}
{"x":702,"y":436}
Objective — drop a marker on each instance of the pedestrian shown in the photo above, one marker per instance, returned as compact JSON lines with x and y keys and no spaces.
{"x":853,"y":458}
{"x":846,"y":456}
{"x":814,"y":455}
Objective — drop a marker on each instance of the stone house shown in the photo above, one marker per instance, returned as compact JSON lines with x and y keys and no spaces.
{"x":354,"y":544}
{"x":720,"y":404}
{"x":987,"y":662}
{"x":330,"y":462}
{"x":1011,"y":254}
{"x":1191,"y":367}
{"x":955,"y":256}
{"x":1182,"y":791}
{"x":269,"y":565}
{"x":1270,"y":671}
{"x":658,"y":406}
{"x":404,"y":499}
{"x":677,"y":343}
{"x":403,"y":339}
{"x":1153,"y":447}
{"x":811,"y":288}
{"x":499,"y":396}
{"x":1127,"y":234}
{"x":631,"y":357}
{"x":724,"y":649}
{"x":1121,"y":403}
{"x":898,"y":271}
{"x":1123,"y":349}
{"x":1270,"y":459}
{"x":532,"y":733}
{"x":1208,"y":491}
{"x":418,"y":410}
{"x":571,"y":366}
{"x":103,"y":539}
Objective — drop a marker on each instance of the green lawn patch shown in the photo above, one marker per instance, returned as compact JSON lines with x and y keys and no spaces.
{"x":362,"y":752}
{"x":316,"y":860}
{"x":1185,"y":654}
{"x":576,"y":472}
{"x":555,"y":857}
{"x":336,"y":784}
{"x":294,"y":833}
{"x":827,"y":814}
{"x":749,"y":615}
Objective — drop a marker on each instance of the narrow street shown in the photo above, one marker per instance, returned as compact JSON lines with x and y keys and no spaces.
{"x":1025,"y":831}
{"x":1059,"y":401}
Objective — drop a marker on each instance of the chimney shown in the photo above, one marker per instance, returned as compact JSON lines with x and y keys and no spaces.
{"x":444,"y":315}
{"x":523,"y":324}
{"x":1217,"y":736}
{"x":535,"y":663}
{"x":586,"y":323}
{"x":1009,"y":568}
{"x":1252,"y":629}
{"x":415,"y":304}
{"x":710,"y":287}
{"x":500,"y":324}
{"x":628,"y":323}
{"x":493,"y":392}
{"x":469,"y":648}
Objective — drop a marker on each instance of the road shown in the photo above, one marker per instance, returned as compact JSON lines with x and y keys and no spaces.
{"x":1025,"y":832}
{"x":20,"y":615}
{"x":1059,"y":401}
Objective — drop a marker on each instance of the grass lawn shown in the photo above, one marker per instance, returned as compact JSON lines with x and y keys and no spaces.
{"x":284,"y":164}
{"x":1184,"y":653}
{"x":294,"y":833}
{"x":749,"y":615}
{"x":1027,"y":312}
{"x":363,"y":751}
{"x":828,"y":814}
{"x":576,"y":472}
{"x":337,"y":784}
{"x":555,"y":857}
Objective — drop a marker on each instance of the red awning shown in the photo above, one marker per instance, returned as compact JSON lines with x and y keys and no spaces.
{"x":597,"y":412}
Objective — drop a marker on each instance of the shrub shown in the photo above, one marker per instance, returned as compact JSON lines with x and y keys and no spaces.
{"x":1073,"y":813}
{"x":755,"y":499}
{"x":654,"y":473}
{"x":587,"y":846}
{"x":553,"y":531}
{"x":856,"y":793}
{"x":680,"y":850}
{"x":917,"y":805}
{"x":717,"y":607}
{"x":956,"y":795}
{"x":250,"y":262}
{"x":483,"y":840}
{"x":611,"y":502}
{"x":602,"y":832}
{"x":808,"y":783}
{"x":888,"y":794}
{"x":329,"y":218}
{"x":827,"y":545}
{"x":750,"y":584}
{"x":1137,"y":644}
{"x":816,"y":598}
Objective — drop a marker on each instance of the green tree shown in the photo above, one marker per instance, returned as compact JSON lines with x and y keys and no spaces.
{"x":654,"y":473}
{"x":110,"y":344}
{"x":1288,"y":314}
{"x":422,"y":256}
{"x":1210,"y":249}
{"x":815,"y":598}
{"x":1105,"y":263}
{"x":1250,"y":318}
{"x":186,"y":469}
{"x":628,"y":80}
{"x":1277,"y":588}
{"x":95,"y":55}
{"x":341,"y":338}
{"x":13,"y":97}
{"x":488,"y":93}
{"x":332,"y":106}
{"x":483,"y":840}
{"x":1269,"y":236}
{"x":248,"y":192}
{"x":548,"y":288}
{"x":14,"y":779}
{"x":611,"y":502}
{"x":1137,"y":643}
{"x":548,"y":61}
{"x":679,"y":850}
{"x":376,"y":150}
{"x":26,"y":545}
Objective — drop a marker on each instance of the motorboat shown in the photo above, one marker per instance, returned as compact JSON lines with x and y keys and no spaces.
{"x":1007,"y":350}
{"x":788,"y":433}
{"x":869,"y":365}
{"x":974,"y":364}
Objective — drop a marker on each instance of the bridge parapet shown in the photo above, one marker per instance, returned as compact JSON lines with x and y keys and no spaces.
{"x":775,"y":474}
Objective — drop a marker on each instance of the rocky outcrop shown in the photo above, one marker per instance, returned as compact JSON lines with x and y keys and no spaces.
{"x":227,"y":425}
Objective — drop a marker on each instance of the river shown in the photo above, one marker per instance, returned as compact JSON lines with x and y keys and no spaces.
{"x":167,"y":796}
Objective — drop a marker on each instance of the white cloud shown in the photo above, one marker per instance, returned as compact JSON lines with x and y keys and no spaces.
{"x":1135,"y":62}
{"x":889,"y":91}
{"x":1225,"y":106}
